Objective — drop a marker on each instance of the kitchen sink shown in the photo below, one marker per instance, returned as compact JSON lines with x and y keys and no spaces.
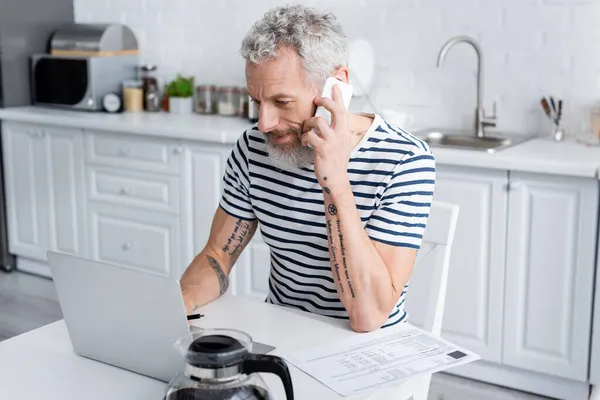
{"x":467,"y":140}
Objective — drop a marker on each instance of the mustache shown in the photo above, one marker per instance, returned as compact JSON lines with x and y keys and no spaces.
{"x":278,"y":133}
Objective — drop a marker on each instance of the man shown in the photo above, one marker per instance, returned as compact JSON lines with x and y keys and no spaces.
{"x":342,"y":208}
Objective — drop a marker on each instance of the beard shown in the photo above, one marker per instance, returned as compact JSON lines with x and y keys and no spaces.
{"x":290,"y":154}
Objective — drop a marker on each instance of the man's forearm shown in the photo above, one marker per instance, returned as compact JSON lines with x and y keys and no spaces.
{"x":361,"y":277}
{"x":204,"y":280}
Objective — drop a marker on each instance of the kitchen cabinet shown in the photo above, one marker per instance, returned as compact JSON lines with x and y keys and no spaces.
{"x":135,"y":238}
{"x":550,"y":273}
{"x":201,"y":177}
{"x":474,"y":298}
{"x":44,"y":189}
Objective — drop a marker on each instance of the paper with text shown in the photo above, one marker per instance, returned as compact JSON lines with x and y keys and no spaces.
{"x":384,"y":357}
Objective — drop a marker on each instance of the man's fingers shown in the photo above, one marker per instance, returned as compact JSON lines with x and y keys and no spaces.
{"x":318,"y":124}
{"x":310,"y":138}
{"x":335,"y":105}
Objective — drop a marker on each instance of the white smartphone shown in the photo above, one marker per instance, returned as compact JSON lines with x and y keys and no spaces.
{"x":327,"y":92}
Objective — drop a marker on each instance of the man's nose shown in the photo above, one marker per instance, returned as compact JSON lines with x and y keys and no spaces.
{"x":267,"y":118}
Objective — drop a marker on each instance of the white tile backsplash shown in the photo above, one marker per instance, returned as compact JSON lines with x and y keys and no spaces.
{"x":531,"y":48}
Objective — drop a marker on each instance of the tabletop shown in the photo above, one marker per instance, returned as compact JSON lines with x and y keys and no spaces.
{"x":42,"y":364}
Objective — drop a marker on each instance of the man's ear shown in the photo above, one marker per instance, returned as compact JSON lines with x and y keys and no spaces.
{"x":342,"y":73}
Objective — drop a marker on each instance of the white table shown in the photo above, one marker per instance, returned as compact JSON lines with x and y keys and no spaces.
{"x":42,"y":364}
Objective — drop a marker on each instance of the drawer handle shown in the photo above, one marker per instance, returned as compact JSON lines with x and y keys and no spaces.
{"x":125,"y":191}
{"x":177,"y":150}
{"x":124,"y":151}
{"x":127,"y":246}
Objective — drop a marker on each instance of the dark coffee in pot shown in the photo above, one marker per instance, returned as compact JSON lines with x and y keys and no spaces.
{"x":239,"y":393}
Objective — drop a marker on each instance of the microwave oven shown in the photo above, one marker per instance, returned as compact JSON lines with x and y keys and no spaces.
{"x":79,"y":82}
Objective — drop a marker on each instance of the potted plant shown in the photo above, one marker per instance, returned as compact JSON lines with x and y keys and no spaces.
{"x":181,"y":92}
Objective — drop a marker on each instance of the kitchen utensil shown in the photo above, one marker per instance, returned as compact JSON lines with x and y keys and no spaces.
{"x":150,"y":88}
{"x":220,"y":366}
{"x":560,"y":102}
{"x":546,"y":108}
{"x":553,"y":104}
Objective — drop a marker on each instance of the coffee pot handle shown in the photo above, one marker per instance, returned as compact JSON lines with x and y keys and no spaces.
{"x":270,"y":364}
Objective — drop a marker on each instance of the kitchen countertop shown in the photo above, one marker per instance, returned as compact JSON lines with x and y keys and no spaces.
{"x":210,"y":128}
{"x":540,"y":155}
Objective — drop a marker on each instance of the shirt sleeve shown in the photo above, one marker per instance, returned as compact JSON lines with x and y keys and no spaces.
{"x":235,"y":196}
{"x":401,"y":216}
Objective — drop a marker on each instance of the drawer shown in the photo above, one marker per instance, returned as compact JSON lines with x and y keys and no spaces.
{"x":136,"y":189}
{"x":135,"y":238}
{"x":139,"y":153}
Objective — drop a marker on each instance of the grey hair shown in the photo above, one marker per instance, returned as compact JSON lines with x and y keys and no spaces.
{"x":317,"y":37}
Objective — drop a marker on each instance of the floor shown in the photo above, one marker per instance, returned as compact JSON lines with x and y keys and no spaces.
{"x":28,"y":302}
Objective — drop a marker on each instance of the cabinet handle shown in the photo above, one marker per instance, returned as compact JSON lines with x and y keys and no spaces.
{"x":177,"y":150}
{"x":124,"y":151}
{"x":127,"y":246}
{"x":125,"y":191}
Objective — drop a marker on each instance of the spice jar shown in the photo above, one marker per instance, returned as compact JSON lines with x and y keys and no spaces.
{"x":206,"y":99}
{"x":228,"y":103}
{"x":133,"y":96}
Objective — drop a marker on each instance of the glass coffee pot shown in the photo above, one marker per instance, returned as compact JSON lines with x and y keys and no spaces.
{"x":219,"y":365}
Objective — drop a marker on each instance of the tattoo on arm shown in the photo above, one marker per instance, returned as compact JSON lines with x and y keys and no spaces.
{"x":223,"y":279}
{"x":236,"y":241}
{"x":343,"y":250}
{"x":332,"y":209}
{"x":326,"y":190}
{"x":336,"y":266}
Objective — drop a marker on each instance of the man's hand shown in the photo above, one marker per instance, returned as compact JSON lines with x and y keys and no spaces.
{"x":332,"y":144}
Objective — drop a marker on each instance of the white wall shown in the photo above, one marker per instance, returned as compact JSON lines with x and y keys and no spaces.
{"x":531,"y":48}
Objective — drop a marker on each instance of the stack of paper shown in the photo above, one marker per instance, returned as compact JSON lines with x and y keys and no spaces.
{"x":387,"y":356}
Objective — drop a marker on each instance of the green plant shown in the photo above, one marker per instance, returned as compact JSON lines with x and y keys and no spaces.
{"x":181,"y":87}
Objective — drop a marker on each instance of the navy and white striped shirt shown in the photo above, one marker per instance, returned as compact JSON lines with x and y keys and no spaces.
{"x":392,"y":175}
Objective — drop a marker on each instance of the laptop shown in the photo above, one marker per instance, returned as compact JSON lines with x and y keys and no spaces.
{"x":121,"y":316}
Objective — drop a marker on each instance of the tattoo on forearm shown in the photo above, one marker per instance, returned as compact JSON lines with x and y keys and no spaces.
{"x":236,"y":241}
{"x":223,"y":280}
{"x":336,"y":266}
{"x":332,"y":209}
{"x":343,"y":251}
{"x":326,"y":190}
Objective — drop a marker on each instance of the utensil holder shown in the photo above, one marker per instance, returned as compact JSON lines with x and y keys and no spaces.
{"x":558,"y":133}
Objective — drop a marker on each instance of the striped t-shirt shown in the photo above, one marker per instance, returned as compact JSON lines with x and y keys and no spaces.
{"x":392,"y":175}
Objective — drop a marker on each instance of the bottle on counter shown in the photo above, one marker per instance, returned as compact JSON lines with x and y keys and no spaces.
{"x":151,"y":92}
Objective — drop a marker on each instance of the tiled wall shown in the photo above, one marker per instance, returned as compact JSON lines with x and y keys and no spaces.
{"x":531,"y":48}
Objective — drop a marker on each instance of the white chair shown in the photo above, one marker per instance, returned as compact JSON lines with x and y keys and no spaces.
{"x":426,"y":295}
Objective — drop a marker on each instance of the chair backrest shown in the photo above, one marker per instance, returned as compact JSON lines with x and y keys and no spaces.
{"x":426,"y":294}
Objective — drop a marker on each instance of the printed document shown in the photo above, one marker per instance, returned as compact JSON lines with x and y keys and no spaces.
{"x":384,"y":357}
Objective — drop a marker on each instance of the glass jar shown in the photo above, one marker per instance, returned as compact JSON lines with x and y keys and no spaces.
{"x":133,"y":95}
{"x":228,"y":101}
{"x":206,"y":99}
{"x":243,"y":103}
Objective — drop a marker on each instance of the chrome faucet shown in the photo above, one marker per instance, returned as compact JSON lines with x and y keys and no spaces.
{"x":481,"y":120}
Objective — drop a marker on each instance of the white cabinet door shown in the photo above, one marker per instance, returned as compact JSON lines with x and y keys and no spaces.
{"x":201,"y":181}
{"x":549,"y":274}
{"x":474,"y":300}
{"x":66,"y":189}
{"x":25,"y":159}
{"x":44,"y":189}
